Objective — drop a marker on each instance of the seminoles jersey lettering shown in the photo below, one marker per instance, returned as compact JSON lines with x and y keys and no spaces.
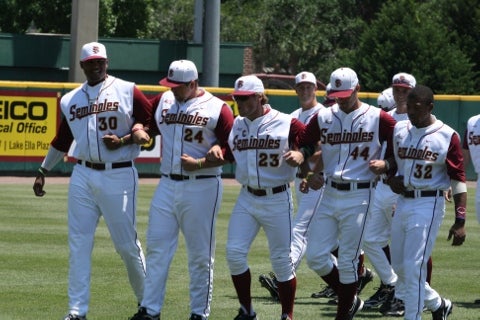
{"x":258,"y":147}
{"x":192,"y":123}
{"x":106,"y":108}
{"x":349,"y":142}
{"x":421,"y":154}
{"x":472,"y":141}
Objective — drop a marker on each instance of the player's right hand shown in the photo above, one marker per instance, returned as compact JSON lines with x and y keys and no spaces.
{"x":38,"y":185}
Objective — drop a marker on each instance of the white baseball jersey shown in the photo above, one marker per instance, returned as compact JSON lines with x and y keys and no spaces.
{"x":193,"y":122}
{"x":472,"y":141}
{"x":421,"y":154}
{"x":258,"y":147}
{"x":349,"y":142}
{"x":428,"y":158}
{"x":106,"y":108}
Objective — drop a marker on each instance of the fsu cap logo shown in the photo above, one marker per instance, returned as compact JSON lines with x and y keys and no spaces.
{"x":304,"y":76}
{"x":240,"y":84}
{"x":338,"y":83}
{"x":96,"y":49}
{"x":170,"y":73}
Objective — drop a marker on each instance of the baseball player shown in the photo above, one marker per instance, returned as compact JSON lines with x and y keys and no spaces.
{"x":471,"y":150}
{"x":351,"y":133}
{"x":261,"y":141}
{"x":305,"y":88}
{"x":190,"y":120}
{"x":429,"y":159}
{"x":377,"y":232}
{"x":385,"y":100}
{"x":99,"y":115}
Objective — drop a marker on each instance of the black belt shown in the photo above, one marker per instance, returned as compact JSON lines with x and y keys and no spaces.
{"x":423,"y":193}
{"x":179,"y":177}
{"x":264,"y":192}
{"x":299,"y":175}
{"x":103,"y":166}
{"x":348,"y":185}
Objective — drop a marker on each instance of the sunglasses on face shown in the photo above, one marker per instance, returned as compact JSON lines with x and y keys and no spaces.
{"x":241,"y":98}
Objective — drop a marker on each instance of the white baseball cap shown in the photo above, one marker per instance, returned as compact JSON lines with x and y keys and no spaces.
{"x":93,"y":50}
{"x":385,"y":100}
{"x":305,"y":76}
{"x":343,"y":82}
{"x":403,"y":79}
{"x":248,"y":85}
{"x":180,"y":72}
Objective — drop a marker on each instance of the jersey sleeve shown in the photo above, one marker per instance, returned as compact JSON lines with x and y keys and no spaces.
{"x":296,"y":128}
{"x":465,"y":140}
{"x":387,"y":123}
{"x":64,"y":137}
{"x":309,"y":136}
{"x":222,"y":130}
{"x":142,"y":108}
{"x":454,"y":161}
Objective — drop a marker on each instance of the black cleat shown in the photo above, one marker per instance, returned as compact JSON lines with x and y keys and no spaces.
{"x":379,"y":297}
{"x":269,"y":284}
{"x":443,"y":311}
{"x":365,"y":279}
{"x":74,"y":317}
{"x":243,"y":316}
{"x":356,"y":306}
{"x":143,"y":315}
{"x":327,"y":292}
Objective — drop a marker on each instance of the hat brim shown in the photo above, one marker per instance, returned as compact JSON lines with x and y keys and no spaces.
{"x":403,"y":85}
{"x":94,"y":57}
{"x":306,"y":81}
{"x":340,"y":94}
{"x":243,"y":93}
{"x":171,"y":84}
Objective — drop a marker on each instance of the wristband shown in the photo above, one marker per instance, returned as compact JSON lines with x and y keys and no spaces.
{"x":309,"y":175}
{"x":136,"y":129}
{"x":42,"y":171}
{"x":122,"y":142}
{"x":460,"y":213}
{"x":387,"y":165}
{"x":199,"y":163}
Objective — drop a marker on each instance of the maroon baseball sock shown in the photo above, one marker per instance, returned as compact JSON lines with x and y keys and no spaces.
{"x":242,"y":283}
{"x":346,"y":293}
{"x":429,"y":270}
{"x":386,"y":250}
{"x":286,"y":292}
{"x":361,"y":266}
{"x":332,"y":279}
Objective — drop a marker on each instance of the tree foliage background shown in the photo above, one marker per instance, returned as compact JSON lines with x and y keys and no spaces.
{"x":435,"y":40}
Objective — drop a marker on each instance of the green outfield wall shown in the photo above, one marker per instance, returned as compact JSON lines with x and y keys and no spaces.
{"x":29,"y":116}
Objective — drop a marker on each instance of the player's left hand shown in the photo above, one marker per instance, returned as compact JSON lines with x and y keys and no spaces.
{"x":112,"y":141}
{"x":214,"y":154}
{"x":457,"y":232}
{"x":448,"y":195}
{"x":293,"y":158}
{"x":38,"y":185}
{"x":316,"y":181}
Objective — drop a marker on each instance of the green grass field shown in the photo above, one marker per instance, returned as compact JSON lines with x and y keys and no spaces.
{"x":34,"y":265}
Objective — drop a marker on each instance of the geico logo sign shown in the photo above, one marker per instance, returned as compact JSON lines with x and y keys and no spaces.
{"x":22,"y":110}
